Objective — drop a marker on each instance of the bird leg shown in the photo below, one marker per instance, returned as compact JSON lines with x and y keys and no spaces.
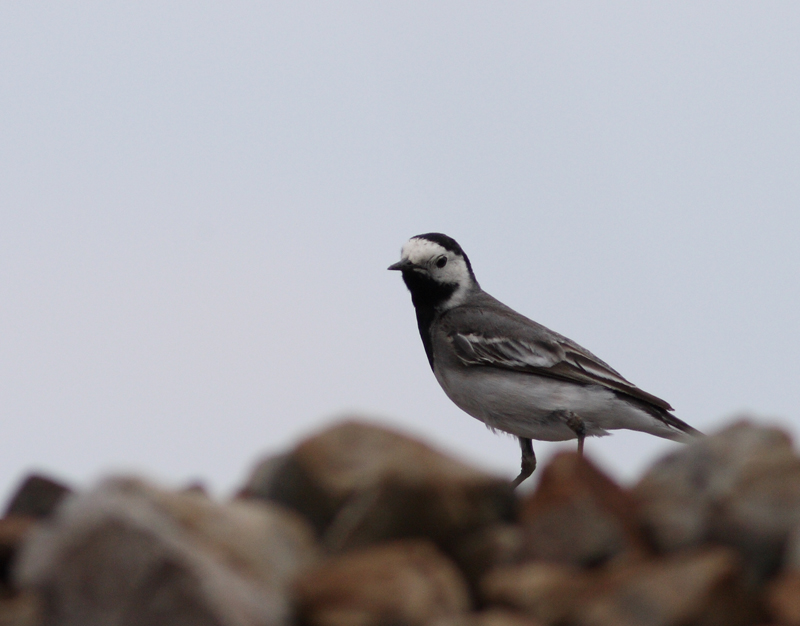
{"x":528,"y":461}
{"x":578,"y":427}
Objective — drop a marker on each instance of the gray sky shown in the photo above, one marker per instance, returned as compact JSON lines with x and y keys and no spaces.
{"x":199,"y":201}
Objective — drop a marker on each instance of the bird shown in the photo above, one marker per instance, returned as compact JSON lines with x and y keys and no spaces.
{"x":511,"y":373}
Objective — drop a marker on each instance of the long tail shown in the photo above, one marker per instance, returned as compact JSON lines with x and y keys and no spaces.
{"x":682,"y":430}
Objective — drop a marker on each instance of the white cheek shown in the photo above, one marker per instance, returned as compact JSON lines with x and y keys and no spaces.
{"x":456,"y":272}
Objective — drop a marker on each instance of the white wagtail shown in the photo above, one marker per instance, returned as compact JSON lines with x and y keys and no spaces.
{"x":511,"y":373}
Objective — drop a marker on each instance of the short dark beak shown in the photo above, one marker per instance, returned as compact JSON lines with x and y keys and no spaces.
{"x":405,"y":264}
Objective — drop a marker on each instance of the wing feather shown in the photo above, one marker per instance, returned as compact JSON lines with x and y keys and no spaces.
{"x":516,"y":343}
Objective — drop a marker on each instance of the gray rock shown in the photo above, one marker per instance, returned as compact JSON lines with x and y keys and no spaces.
{"x":407,"y":582}
{"x":130,"y":553}
{"x":360,"y":484}
{"x":740,"y":487}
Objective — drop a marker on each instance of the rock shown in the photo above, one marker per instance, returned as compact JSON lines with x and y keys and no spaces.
{"x":740,"y":487}
{"x":548,"y":592}
{"x":406,"y":582}
{"x":578,"y":515}
{"x":490,"y":617}
{"x":360,"y":484}
{"x":37,"y":496}
{"x":20,"y":609}
{"x":13,"y":530}
{"x":791,"y":556}
{"x":783,"y":598}
{"x":701,"y":588}
{"x":478,"y":552}
{"x":130,"y":553}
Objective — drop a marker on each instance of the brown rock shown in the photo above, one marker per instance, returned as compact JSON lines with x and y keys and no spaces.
{"x":403,"y":582}
{"x":578,"y":515}
{"x":478,"y":552}
{"x":740,"y":487}
{"x":21,"y":609}
{"x":13,"y":531}
{"x":130,"y":553}
{"x":791,"y":556}
{"x":490,"y":617}
{"x":361,"y":484}
{"x":701,"y":588}
{"x":548,"y":592}
{"x":783,"y":599}
{"x":37,"y":496}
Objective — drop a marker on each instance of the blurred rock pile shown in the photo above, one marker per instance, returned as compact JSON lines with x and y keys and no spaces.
{"x":362,"y":526}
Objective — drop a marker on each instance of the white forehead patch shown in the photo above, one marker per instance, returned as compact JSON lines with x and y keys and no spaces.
{"x":419,"y":251}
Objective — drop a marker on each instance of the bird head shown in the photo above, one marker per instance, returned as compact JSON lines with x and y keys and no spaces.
{"x":436,"y":271}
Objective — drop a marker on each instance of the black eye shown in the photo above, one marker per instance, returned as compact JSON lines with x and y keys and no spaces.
{"x":441,"y":261}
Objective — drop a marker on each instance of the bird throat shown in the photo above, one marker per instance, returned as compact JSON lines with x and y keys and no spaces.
{"x":428,"y":296}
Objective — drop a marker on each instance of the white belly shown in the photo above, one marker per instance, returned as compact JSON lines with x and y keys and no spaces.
{"x":533,"y":406}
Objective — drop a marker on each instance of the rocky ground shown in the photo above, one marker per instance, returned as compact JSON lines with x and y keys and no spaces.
{"x":362,"y":526}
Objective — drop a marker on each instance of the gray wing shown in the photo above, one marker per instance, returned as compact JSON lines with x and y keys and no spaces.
{"x":495,"y":335}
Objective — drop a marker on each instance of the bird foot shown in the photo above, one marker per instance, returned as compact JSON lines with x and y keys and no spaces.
{"x":528,"y":461}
